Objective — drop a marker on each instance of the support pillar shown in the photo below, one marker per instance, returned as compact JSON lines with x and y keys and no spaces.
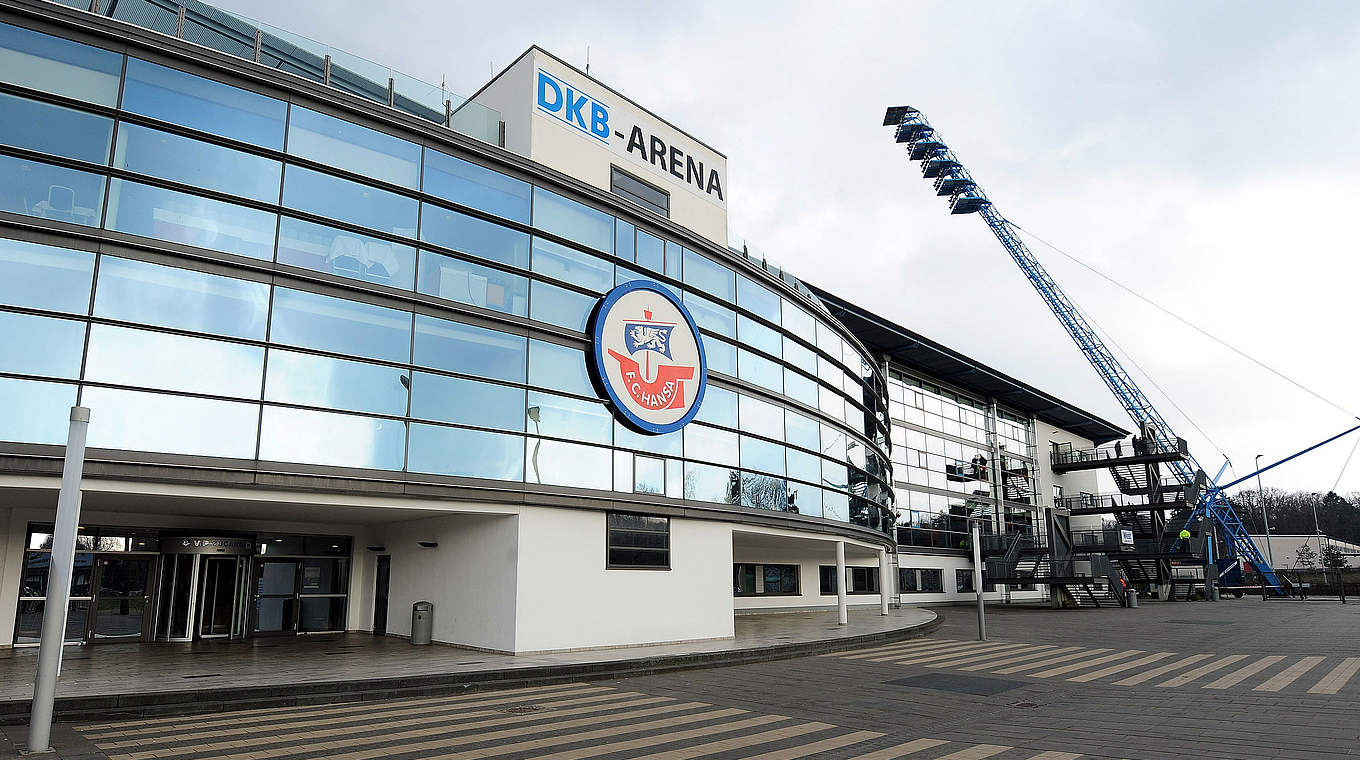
{"x":842,"y":604}
{"x":884,"y":581}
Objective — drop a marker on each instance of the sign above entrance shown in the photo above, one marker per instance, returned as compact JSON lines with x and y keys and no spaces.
{"x":206,"y":545}
{"x":647,"y":358}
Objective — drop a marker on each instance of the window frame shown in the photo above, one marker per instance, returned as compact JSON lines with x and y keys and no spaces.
{"x":615,"y":172}
{"x":760,"y":573}
{"x":609,"y":541}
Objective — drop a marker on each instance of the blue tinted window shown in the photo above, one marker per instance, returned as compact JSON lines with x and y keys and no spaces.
{"x":465,"y":282}
{"x":835,"y":506}
{"x":804,"y":466}
{"x":44,"y":277}
{"x":348,"y":254}
{"x":36,"y":412}
{"x":312,"y":380}
{"x":568,"y":464}
{"x":345,"y":145}
{"x":798,"y":355}
{"x":707,"y":483}
{"x":478,"y":237}
{"x":710,"y":277}
{"x":152,"y":294}
{"x":673,"y":259}
{"x":720,"y":355}
{"x":801,"y":431}
{"x":50,"y":192}
{"x":711,"y":445}
{"x":804,"y":499}
{"x":331,"y":438}
{"x":623,"y":240}
{"x":144,"y":421}
{"x":52,"y":64}
{"x":574,"y":221}
{"x":154,"y":212}
{"x":154,"y":359}
{"x":475,"y":186}
{"x":558,"y":367}
{"x":835,"y":475}
{"x":758,"y":336}
{"x":651,"y":252}
{"x":710,"y":316}
{"x":623,"y":274}
{"x":799,"y":387}
{"x":762,"y":418}
{"x":469,"y":349}
{"x":797,"y":321}
{"x":573,"y":419}
{"x":569,"y":265}
{"x":718,"y":407}
{"x":324,"y":195}
{"x":467,"y":402}
{"x":192,"y":162}
{"x":757,"y":299}
{"x":466,"y":453}
{"x":40,"y":345}
{"x":54,"y":129}
{"x":559,"y":306}
{"x":340,"y":325}
{"x":672,"y":444}
{"x":759,"y":370}
{"x":762,"y":456}
{"x":192,"y":101}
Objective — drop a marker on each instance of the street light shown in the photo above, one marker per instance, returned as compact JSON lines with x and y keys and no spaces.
{"x":1265,"y":516}
{"x":1317,"y":530}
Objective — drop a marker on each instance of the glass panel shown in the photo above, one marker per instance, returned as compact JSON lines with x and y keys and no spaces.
{"x":467,"y":402}
{"x":720,"y":355}
{"x":330,"y":438}
{"x":121,"y":606}
{"x":325,"y":576}
{"x":569,"y":418}
{"x":757,"y":299}
{"x":45,"y":277}
{"x":349,"y":201}
{"x":718,"y":407}
{"x":714,"y":484}
{"x":192,"y":101}
{"x":673,"y":260}
{"x":149,"y":359}
{"x":568,"y":464}
{"x":801,"y":431}
{"x":473,"y":236}
{"x":573,"y":221}
{"x":51,"y":64}
{"x":193,"y":162}
{"x":322,"y":613}
{"x":623,"y":240}
{"x":798,"y":355}
{"x":53,"y":129}
{"x":173,"y":424}
{"x":312,"y":380}
{"x":669,"y":443}
{"x":277,"y":578}
{"x":340,"y":325}
{"x":762,"y":418}
{"x":151,"y":294}
{"x":710,"y":316}
{"x":711,"y":445}
{"x":804,"y":466}
{"x":475,"y":186}
{"x":363,"y":151}
{"x":758,"y":336}
{"x":558,"y":367}
{"x":624,"y":274}
{"x":473,"y":284}
{"x":469,"y":349}
{"x":153,"y":212}
{"x":649,"y":475}
{"x":466,"y":453}
{"x":759,"y":370}
{"x":274,"y":614}
{"x":344,"y":253}
{"x":569,"y":265}
{"x":800,"y":387}
{"x":40,"y":345}
{"x":835,"y":506}
{"x":50,"y":192}
{"x":37,"y":412}
{"x":762,"y":455}
{"x":651,"y":252}
{"x":559,"y":306}
{"x":710,"y":277}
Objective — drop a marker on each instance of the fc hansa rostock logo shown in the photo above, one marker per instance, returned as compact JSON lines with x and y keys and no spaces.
{"x":647,"y":357}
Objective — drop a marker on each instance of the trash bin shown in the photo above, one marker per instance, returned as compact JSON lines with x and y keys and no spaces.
{"x":422,"y":622}
{"x":1131,"y":594}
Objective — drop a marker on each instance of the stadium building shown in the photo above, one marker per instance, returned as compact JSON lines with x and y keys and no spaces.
{"x":350,"y":343}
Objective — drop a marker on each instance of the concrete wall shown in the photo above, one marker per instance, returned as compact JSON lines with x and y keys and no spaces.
{"x":569,"y":600}
{"x":1089,"y":481}
{"x":470,"y":577}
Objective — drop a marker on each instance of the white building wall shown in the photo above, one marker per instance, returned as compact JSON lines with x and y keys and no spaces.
{"x":809,"y":561}
{"x":1088,"y":481}
{"x":569,"y":600}
{"x":11,"y":561}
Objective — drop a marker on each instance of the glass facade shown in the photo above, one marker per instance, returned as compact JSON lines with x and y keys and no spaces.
{"x":405,"y":327}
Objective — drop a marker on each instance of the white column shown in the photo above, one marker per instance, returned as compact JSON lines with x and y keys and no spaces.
{"x":842,"y":606}
{"x":884,"y":579}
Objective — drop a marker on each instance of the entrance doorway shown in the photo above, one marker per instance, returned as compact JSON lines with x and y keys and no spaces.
{"x":276,"y":596}
{"x":203,"y":589}
{"x":122,"y":598}
{"x":380,"y":595}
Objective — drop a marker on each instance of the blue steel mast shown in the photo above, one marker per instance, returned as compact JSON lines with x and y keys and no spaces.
{"x":939,"y":163}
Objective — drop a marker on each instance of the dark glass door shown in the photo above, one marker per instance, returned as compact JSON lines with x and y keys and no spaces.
{"x":380,"y":595}
{"x":276,"y":596}
{"x":217,"y":596}
{"x":121,"y":597}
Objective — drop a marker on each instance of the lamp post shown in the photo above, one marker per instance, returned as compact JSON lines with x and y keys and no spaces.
{"x":1317,"y":531}
{"x":1265,"y":516}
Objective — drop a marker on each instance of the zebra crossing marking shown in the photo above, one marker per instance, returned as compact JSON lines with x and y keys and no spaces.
{"x":956,"y":646}
{"x":595,"y":750}
{"x":1337,"y":678}
{"x":1021,"y":658}
{"x":738,"y":742}
{"x":1243,"y":673}
{"x":825,"y":745}
{"x":990,"y":654}
{"x":1190,"y":675}
{"x":1081,"y":665}
{"x":1290,"y":674}
{"x":1148,"y":675}
{"x":917,"y":660}
{"x":976,"y":752}
{"x":1120,"y":667}
{"x":1050,"y":661}
{"x":902,"y":750}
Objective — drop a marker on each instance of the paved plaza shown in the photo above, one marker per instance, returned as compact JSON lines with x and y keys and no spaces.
{"x":1236,"y":679}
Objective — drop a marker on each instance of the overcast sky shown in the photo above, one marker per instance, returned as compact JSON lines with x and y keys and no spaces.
{"x":1204,"y":154}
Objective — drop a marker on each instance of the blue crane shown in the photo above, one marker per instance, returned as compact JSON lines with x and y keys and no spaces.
{"x":951,"y":179}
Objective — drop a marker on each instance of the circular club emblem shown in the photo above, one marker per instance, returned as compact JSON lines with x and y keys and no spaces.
{"x":647,"y":358}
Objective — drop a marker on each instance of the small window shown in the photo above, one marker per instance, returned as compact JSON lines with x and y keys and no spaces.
{"x":963,"y":580}
{"x":644,"y":194}
{"x":863,"y":580}
{"x":764,"y":580}
{"x":639,"y":542}
{"x":932,"y":581}
{"x":907,"y":582}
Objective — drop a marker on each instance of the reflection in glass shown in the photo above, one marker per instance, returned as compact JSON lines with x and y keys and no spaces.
{"x":758,"y":336}
{"x":475,"y":186}
{"x":469,"y":349}
{"x":150,"y":359}
{"x":467,"y":402}
{"x":311,"y":380}
{"x":37,"y":412}
{"x":759,"y":370}
{"x":711,"y":445}
{"x":568,"y":464}
{"x":800,"y":387}
{"x":710,"y":316}
{"x":757,"y":299}
{"x":804,"y":466}
{"x":154,"y":212}
{"x":345,"y":145}
{"x":330,"y":438}
{"x":757,"y":454}
{"x":466,"y":453}
{"x":651,"y":252}
{"x":835,"y":506}
{"x":719,"y":407}
{"x":136,"y":291}
{"x":60,"y":131}
{"x":720,"y":355}
{"x":347,"y":254}
{"x":573,"y":419}
{"x":45,"y":277}
{"x":762,"y":418}
{"x":559,"y":306}
{"x":569,"y":265}
{"x":713,"y":484}
{"x":623,"y":240}
{"x":558,"y":367}
{"x":473,"y":236}
{"x":51,"y":64}
{"x":574,"y":221}
{"x":798,"y":355}
{"x":192,"y":101}
{"x":50,"y":192}
{"x":348,"y":201}
{"x":801,"y":431}
{"x":32,"y":345}
{"x":141,"y":421}
{"x":668,"y":443}
{"x":474,"y":284}
{"x":709,"y":277}
{"x":334,"y":324}
{"x":323,"y":613}
{"x":193,"y":162}
{"x":762,"y":491}
{"x":649,"y":475}
{"x":805,"y":499}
